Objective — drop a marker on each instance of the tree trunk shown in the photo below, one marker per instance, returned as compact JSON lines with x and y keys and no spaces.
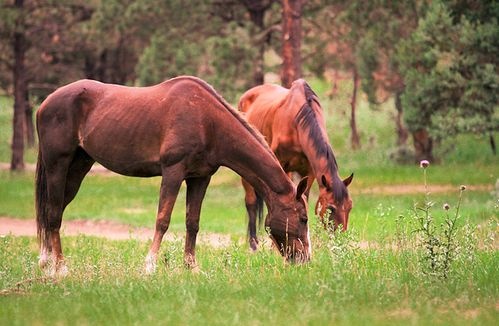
{"x":258,"y":66}
{"x":334,"y":88}
{"x":257,"y":10}
{"x":402,"y":133}
{"x":492,"y":143}
{"x":291,"y":41}
{"x":101,"y":69}
{"x":20,"y":89}
{"x":423,"y":145}
{"x":354,"y":135}
{"x":30,"y":129}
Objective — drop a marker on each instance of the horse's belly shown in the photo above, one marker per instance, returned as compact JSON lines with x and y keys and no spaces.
{"x":124,"y":157}
{"x":134,"y":169}
{"x":292,"y":161}
{"x":124,"y":164}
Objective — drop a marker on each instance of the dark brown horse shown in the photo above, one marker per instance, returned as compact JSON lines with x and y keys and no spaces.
{"x":180,"y":130}
{"x":292,"y":122}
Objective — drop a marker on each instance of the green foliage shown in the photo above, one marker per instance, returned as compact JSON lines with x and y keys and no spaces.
{"x":184,"y":51}
{"x":167,"y":57}
{"x":450,"y":72}
{"x":233,"y":45}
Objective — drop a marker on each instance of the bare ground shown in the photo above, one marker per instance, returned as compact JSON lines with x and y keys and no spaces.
{"x":105,"y":229}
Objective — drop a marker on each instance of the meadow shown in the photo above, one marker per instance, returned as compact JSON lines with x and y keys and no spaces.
{"x":376,"y":273}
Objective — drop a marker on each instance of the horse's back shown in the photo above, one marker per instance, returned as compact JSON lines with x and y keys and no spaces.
{"x":131,"y":129}
{"x":262,"y":96}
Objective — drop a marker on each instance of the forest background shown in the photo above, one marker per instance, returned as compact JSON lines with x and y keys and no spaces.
{"x":435,"y":60}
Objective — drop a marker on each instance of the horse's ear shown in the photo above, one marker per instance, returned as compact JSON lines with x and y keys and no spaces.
{"x":302,"y":186}
{"x":325,"y":183}
{"x":348,"y":180}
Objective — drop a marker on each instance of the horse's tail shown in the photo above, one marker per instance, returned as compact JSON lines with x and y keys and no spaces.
{"x":41,"y":197}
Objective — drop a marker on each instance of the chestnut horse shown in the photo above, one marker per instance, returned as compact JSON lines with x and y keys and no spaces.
{"x":292,"y":122}
{"x":180,"y":130}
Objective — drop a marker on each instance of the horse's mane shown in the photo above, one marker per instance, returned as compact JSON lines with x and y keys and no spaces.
{"x":306,"y":119}
{"x":258,"y":136}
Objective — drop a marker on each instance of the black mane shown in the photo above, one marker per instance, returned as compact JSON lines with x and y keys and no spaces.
{"x":306,"y":120}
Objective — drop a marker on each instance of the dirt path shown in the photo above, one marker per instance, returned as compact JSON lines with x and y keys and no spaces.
{"x":105,"y":229}
{"x":30,"y":167}
{"x":119,"y":231}
{"x":417,"y":189}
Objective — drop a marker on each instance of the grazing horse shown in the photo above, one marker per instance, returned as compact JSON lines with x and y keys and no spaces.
{"x":180,"y":130}
{"x":292,"y":122}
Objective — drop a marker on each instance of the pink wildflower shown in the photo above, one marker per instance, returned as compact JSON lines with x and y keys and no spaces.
{"x":424,"y":164}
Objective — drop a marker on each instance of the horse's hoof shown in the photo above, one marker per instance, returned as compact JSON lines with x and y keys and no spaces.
{"x":191,"y":264}
{"x":43,"y":263}
{"x":61,"y":271}
{"x":253,"y":245}
{"x":150,"y":268}
{"x":195,"y":269}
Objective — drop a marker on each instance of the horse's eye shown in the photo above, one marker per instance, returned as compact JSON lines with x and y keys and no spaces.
{"x":304,"y":220}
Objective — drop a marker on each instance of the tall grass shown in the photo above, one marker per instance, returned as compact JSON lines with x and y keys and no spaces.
{"x":344,"y":284}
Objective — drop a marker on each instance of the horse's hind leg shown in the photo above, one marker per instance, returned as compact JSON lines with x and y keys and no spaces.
{"x":79,"y":166}
{"x":196,"y":190}
{"x":78,"y":169}
{"x":55,"y":172}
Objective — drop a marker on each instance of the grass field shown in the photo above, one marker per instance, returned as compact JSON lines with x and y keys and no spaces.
{"x":385,"y":282}
{"x":342,"y":285}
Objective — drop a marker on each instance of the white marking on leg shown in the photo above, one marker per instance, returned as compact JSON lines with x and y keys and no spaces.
{"x":44,"y":257}
{"x":150,"y":267}
{"x":309,"y":243}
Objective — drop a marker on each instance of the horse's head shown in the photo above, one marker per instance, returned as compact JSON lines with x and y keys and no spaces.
{"x":334,"y":203}
{"x":287,"y":226}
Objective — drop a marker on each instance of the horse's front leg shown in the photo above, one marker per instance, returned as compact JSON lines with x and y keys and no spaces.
{"x":310,"y":181}
{"x":252,"y":209}
{"x":196,"y":189}
{"x":172,"y":178}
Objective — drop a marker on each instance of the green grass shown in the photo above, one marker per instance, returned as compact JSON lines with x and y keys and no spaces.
{"x":342,"y":285}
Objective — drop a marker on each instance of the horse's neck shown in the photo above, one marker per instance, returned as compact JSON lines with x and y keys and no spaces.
{"x":257,"y":165}
{"x":319,"y":154}
{"x":324,"y":166}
